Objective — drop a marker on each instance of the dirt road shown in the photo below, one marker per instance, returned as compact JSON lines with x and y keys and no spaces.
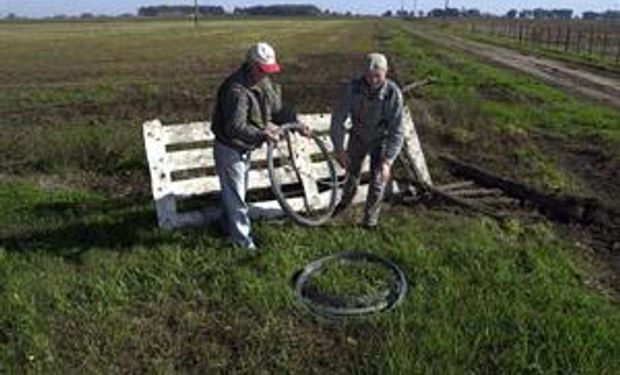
{"x":600,"y":88}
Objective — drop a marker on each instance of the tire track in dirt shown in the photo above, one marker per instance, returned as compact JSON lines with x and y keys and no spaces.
{"x":597,"y":87}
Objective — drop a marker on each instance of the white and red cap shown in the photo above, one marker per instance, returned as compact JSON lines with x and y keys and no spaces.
{"x":263,"y":55}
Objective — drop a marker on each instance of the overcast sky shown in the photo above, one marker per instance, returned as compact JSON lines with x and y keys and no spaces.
{"x":42,"y":8}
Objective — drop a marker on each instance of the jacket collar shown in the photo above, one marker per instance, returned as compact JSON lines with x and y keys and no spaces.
{"x":379,"y":93}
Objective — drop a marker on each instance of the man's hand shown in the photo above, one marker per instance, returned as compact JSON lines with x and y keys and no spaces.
{"x":385,"y":171}
{"x":343,"y":159}
{"x":272,"y":132}
{"x":305,"y":130}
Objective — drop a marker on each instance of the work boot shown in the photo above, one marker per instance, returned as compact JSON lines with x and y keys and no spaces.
{"x":370,"y":226}
{"x":340,"y":207}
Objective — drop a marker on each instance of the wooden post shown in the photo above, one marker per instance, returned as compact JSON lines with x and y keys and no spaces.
{"x":567,"y":40}
{"x":591,"y":41}
{"x":579,"y":36}
{"x":525,"y":32}
{"x":605,"y":40}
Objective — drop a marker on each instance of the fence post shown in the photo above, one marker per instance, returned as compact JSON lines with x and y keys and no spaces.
{"x":591,"y":41}
{"x":605,"y":40}
{"x":579,"y":36}
{"x":567,"y":40}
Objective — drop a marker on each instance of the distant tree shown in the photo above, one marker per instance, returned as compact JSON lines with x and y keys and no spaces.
{"x":589,"y":15}
{"x":512,"y":14}
{"x":282,"y":10}
{"x":436,"y":13}
{"x":11,"y":16}
{"x":612,"y":15}
{"x":540,"y":13}
{"x":562,"y":14}
{"x":471,"y":13}
{"x":402,"y":13}
{"x":86,"y":16}
{"x":420,"y":13}
{"x":526,"y":13}
{"x":453,"y":12}
{"x":387,"y":13}
{"x":178,"y":10}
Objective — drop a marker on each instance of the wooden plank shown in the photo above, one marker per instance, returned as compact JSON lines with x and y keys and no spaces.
{"x":475,"y":192}
{"x":187,"y":133}
{"x":320,"y":122}
{"x":203,"y":157}
{"x":456,"y":185}
{"x":258,"y":210}
{"x":155,"y":148}
{"x":201,"y":131}
{"x":413,"y":149}
{"x":258,"y":179}
{"x":302,"y":162}
{"x":191,"y":159}
{"x":559,"y":207}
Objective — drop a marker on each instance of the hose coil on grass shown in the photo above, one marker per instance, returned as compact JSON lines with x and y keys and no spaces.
{"x":358,"y":305}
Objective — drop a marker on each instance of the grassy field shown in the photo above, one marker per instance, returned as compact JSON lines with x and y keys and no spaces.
{"x":557,"y":48}
{"x":88,"y":285}
{"x":510,"y":122}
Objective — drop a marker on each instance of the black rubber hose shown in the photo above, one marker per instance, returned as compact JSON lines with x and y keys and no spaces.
{"x":276,"y":186}
{"x":364,"y":305}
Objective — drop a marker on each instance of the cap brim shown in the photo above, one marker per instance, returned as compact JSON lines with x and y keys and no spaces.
{"x":270,"y":68}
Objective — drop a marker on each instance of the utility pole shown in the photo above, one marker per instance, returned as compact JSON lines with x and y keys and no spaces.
{"x":195,"y":13}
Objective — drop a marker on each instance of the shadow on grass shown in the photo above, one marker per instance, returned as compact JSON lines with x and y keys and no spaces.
{"x":110,"y":225}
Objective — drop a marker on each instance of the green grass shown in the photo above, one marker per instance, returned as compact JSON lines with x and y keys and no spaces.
{"x":95,"y":83}
{"x":492,"y":113}
{"x":127,"y":298}
{"x":89,"y":285}
{"x":594,"y":61}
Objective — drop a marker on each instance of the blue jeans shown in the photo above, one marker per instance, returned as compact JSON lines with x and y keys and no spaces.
{"x":232,"y":167}
{"x":357,"y":152}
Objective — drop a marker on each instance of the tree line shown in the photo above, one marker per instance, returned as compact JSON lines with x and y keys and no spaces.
{"x":259,"y":10}
{"x":313,"y":11}
{"x":531,"y":14}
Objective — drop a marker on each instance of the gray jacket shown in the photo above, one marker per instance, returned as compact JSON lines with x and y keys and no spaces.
{"x":242,"y":111}
{"x":377,"y":117}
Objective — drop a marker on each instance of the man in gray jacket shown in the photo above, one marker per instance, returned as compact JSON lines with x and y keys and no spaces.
{"x":375,"y":105}
{"x":248,"y":110}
